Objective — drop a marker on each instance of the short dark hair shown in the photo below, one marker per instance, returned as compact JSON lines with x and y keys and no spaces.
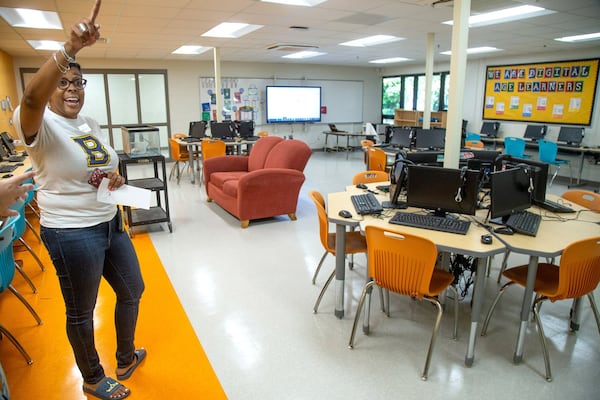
{"x":75,"y":65}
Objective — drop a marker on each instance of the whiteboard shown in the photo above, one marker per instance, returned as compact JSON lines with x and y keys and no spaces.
{"x":244,"y":98}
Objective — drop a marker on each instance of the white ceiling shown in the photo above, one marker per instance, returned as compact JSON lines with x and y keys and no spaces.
{"x":152,"y":29}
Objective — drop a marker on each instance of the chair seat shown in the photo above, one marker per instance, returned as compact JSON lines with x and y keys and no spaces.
{"x":440,"y":280}
{"x":355,"y":242}
{"x":546,"y":282}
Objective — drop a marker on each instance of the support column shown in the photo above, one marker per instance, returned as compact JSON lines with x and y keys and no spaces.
{"x":217,"y":65}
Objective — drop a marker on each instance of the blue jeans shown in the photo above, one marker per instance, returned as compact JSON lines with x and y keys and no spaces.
{"x":81,"y":257}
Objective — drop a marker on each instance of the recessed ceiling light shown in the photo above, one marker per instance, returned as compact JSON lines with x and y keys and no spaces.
{"x":305,"y":3}
{"x":390,"y":60}
{"x":304,"y":54}
{"x":505,"y":15}
{"x":191,"y":50}
{"x":475,"y":50}
{"x":231,"y":30}
{"x":371,"y":41}
{"x":45,"y":44}
{"x":28,"y":18}
{"x":580,"y":38}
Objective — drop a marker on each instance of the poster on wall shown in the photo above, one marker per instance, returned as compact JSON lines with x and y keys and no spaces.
{"x":241,"y":100}
{"x":561,"y":92}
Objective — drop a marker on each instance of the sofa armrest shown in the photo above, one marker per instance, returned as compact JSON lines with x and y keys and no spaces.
{"x":224,"y":164}
{"x":267,"y":180}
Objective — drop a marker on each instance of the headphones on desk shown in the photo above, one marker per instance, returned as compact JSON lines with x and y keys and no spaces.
{"x":463,"y":181}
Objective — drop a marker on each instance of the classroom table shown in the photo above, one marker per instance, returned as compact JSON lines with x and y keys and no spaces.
{"x":556,"y":232}
{"x":469,"y":244}
{"x":337,"y":135}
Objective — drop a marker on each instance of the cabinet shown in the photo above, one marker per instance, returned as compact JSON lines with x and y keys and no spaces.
{"x":414,"y":118}
{"x":159,"y":211}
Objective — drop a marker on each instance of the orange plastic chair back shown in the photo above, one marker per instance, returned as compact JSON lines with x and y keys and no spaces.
{"x":323,"y":222}
{"x":262,"y":134}
{"x":366,"y":143}
{"x":579,"y":271}
{"x":370,"y":176}
{"x":584,"y":198}
{"x":178,"y":151}
{"x":474,"y":144}
{"x":376,"y":159}
{"x":213,"y":148}
{"x":401,"y":262}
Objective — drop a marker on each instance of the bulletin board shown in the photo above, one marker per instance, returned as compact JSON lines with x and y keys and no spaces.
{"x":244,"y":98}
{"x":561,"y":92}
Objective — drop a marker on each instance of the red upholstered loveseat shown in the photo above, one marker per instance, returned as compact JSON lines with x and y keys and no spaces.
{"x":264,"y":184}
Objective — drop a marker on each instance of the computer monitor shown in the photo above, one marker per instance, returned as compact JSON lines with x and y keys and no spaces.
{"x":197,"y":129}
{"x":535,"y":132}
{"x":490,"y":129}
{"x":510,"y":192}
{"x":220,"y":130}
{"x":442,"y":190}
{"x":398,"y":181}
{"x":401,"y":137}
{"x":7,"y":141}
{"x":425,"y":157}
{"x":537,"y":170}
{"x":570,"y":135}
{"x":483,"y":161}
{"x":244,"y":129}
{"x":432,"y":139}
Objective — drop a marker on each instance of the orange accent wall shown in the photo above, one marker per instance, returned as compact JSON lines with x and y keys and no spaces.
{"x":8,"y":87}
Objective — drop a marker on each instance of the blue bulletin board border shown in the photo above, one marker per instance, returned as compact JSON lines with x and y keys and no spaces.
{"x":554,"y":92}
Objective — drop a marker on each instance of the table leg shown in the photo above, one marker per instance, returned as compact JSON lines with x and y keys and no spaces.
{"x":340,"y":268}
{"x":575,"y":315}
{"x":526,"y":309}
{"x":581,"y":162}
{"x":347,"y":145}
{"x":190,"y":148}
{"x":476,"y":309}
{"x":325,"y":147}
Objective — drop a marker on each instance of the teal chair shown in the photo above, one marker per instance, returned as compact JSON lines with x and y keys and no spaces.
{"x":515,"y":147}
{"x":472,"y":136}
{"x":7,"y":273}
{"x":547,"y":153}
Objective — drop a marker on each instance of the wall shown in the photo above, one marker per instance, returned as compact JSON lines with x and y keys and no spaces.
{"x":7,"y":88}
{"x":184,"y":88}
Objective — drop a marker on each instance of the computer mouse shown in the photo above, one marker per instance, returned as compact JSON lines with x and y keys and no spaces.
{"x":361,"y":186}
{"x":345,"y":214}
{"x":486,"y":239}
{"x":20,"y":164}
{"x":504,"y":230}
{"x":6,"y":176}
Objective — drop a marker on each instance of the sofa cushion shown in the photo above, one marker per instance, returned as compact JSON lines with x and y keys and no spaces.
{"x":220,"y":178}
{"x":291,"y":154}
{"x":230,"y":188}
{"x":260,"y":151}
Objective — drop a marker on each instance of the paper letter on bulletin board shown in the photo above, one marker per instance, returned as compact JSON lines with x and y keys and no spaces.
{"x":561,"y":92}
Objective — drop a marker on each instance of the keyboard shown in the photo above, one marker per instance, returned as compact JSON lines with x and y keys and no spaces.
{"x":432,"y":222}
{"x":4,"y":168}
{"x":554,"y":206}
{"x":190,"y":139}
{"x":524,"y":222}
{"x":228,"y":140}
{"x":366,"y":203}
{"x":251,"y":138}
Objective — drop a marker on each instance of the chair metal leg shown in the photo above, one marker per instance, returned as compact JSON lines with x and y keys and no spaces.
{"x":540,"y":329}
{"x":503,"y":265}
{"x":314,"y":278}
{"x":327,"y":283}
{"x":358,"y":311}
{"x":436,"y":328}
{"x":14,"y":341}
{"x":493,"y":307}
{"x":24,"y":275}
{"x":26,"y":303}
{"x":455,"y":332}
{"x":590,"y":297}
{"x":37,"y":259}
{"x":37,"y":235}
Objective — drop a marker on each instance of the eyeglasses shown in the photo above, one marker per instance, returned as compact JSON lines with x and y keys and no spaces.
{"x":78,"y":83}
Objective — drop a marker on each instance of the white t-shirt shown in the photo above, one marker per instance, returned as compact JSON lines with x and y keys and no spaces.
{"x":63,"y":154}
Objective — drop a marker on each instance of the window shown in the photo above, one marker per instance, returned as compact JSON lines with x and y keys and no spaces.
{"x":408,"y":92}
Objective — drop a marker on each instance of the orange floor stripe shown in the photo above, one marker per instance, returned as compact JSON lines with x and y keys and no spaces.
{"x":176,"y":366}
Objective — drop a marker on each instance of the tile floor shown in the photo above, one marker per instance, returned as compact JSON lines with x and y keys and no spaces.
{"x":249,"y":296}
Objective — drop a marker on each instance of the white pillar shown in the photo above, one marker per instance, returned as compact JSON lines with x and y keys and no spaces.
{"x":428,"y":79}
{"x":458,"y":64}
{"x":217,"y":64}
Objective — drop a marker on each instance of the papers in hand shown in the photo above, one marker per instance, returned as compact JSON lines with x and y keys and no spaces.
{"x":125,"y":195}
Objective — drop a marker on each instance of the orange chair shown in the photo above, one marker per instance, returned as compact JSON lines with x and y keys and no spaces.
{"x":577,"y":275}
{"x":211,"y":148}
{"x":365,"y":144}
{"x":405,"y":264}
{"x":370,"y":176}
{"x":376,"y":159}
{"x":262,"y":134}
{"x":584,"y":198}
{"x":474,"y":144}
{"x":355,"y":242}
{"x":179,"y":153}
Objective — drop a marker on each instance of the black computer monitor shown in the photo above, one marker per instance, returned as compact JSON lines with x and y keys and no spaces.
{"x":442,"y":190}
{"x":510,"y":193}
{"x":570,"y":135}
{"x":401,"y":137}
{"x":537,"y":170}
{"x":220,"y":130}
{"x":535,"y":132}
{"x":490,"y":129}
{"x":7,"y":142}
{"x":483,"y":161}
{"x":244,"y":128}
{"x":197,"y":129}
{"x":432,"y":139}
{"x":425,"y":157}
{"x":398,"y":181}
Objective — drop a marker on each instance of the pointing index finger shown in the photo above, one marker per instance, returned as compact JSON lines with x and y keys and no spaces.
{"x":95,"y":11}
